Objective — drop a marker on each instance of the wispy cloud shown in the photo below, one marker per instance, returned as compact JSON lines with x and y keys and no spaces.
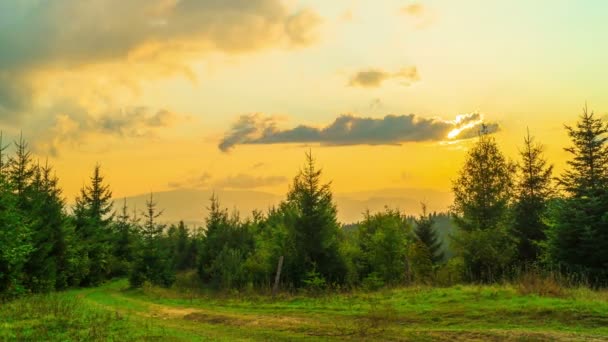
{"x":351,"y":130}
{"x":245,"y":181}
{"x":192,"y":182}
{"x":418,"y":14}
{"x":238,"y":181}
{"x":373,"y":78}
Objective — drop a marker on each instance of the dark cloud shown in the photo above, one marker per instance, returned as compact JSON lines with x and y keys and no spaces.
{"x":352,"y":130}
{"x":244,"y":181}
{"x":373,"y":78}
{"x":15,"y":97}
{"x":474,"y":131}
{"x":160,"y":35}
{"x":69,"y":32}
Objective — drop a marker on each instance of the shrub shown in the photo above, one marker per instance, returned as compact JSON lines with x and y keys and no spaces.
{"x":540,"y":284}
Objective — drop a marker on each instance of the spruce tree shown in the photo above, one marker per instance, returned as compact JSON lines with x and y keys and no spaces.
{"x":48,"y":266}
{"x":153,"y":262}
{"x":21,"y":172}
{"x":578,"y":237}
{"x":533,"y":192}
{"x":426,"y":233}
{"x":317,"y":232}
{"x":224,"y":248}
{"x":123,"y":242}
{"x":93,"y":216}
{"x":182,"y":247}
{"x":15,"y":236}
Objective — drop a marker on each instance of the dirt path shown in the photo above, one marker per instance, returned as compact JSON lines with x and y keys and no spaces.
{"x":219,"y":323}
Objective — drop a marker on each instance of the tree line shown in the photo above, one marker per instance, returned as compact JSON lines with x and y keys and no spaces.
{"x":508,"y":216}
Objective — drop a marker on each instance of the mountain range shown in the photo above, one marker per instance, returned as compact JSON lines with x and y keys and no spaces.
{"x":190,"y":205}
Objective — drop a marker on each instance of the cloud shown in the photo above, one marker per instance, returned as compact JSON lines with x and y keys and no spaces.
{"x":373,"y":78}
{"x":15,"y":97}
{"x":196,"y":182}
{"x":244,"y":181}
{"x":130,"y":40}
{"x":72,"y":32}
{"x":298,"y":27}
{"x":239,"y":181}
{"x":419,"y":15}
{"x":71,"y":124}
{"x":351,"y":130}
{"x":415,"y":9}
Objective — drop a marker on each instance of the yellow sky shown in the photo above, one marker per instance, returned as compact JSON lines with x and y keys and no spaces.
{"x":152,"y":89}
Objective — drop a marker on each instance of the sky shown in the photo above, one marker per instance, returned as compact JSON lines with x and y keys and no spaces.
{"x":230,"y":94}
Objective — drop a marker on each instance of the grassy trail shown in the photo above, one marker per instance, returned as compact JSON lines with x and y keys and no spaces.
{"x":416,"y":314}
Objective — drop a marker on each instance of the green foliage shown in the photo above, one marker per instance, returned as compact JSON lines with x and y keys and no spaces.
{"x":487,"y":254}
{"x":314,"y":282}
{"x":482,"y":198}
{"x":534,"y":191}
{"x":426,"y":233}
{"x":316,"y":229}
{"x":503,"y":224}
{"x":225,"y":246}
{"x":450,"y":273}
{"x":383,"y":239}
{"x":15,"y":239}
{"x":92,"y":218}
{"x":372,"y":282}
{"x":578,"y":235}
{"x":421,"y":263}
{"x":154,"y":261}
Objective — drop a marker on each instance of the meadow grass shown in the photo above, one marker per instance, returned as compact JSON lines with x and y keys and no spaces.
{"x":465,"y":312}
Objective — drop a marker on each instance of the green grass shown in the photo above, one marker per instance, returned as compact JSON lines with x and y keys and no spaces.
{"x":483,"y":313}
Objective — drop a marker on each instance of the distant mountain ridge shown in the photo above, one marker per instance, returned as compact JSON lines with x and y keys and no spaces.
{"x":190,"y":205}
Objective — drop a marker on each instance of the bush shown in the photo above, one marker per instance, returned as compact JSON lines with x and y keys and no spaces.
{"x":540,"y":284}
{"x":373,"y":282}
{"x":314,"y":282}
{"x":450,"y":273}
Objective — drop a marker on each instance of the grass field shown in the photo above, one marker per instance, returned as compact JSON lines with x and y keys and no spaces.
{"x":483,"y":313}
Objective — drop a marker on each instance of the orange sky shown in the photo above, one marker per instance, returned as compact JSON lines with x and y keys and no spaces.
{"x":176,"y":94}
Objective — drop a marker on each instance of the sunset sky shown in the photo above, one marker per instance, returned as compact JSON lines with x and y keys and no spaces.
{"x":229,"y":94}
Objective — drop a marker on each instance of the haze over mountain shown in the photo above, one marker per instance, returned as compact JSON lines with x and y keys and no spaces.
{"x":191,"y":205}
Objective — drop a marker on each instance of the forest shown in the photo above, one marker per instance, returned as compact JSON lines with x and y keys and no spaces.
{"x":512,"y":219}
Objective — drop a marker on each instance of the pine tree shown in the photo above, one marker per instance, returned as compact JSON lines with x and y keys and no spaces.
{"x":534,"y":191}
{"x":426,"y":233}
{"x":317,"y":232}
{"x":578,"y":237}
{"x":482,"y":196}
